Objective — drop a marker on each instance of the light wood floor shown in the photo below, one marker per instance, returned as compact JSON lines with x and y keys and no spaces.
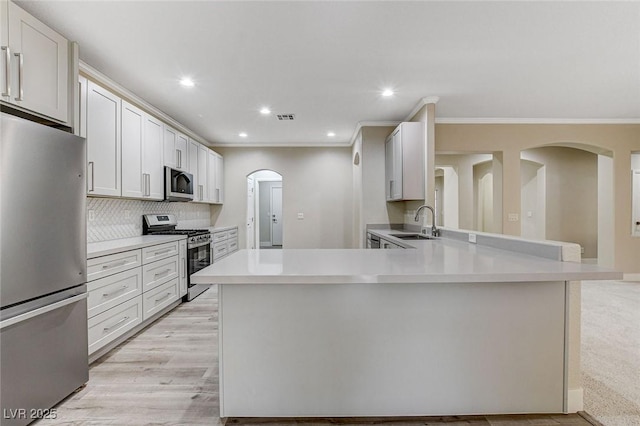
{"x":168,"y":375}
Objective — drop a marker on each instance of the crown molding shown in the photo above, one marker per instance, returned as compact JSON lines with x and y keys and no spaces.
{"x":420,"y":104}
{"x":487,"y":120}
{"x":362,"y":124}
{"x":95,"y":75}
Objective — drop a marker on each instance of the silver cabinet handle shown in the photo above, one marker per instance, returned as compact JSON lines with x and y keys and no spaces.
{"x":20,"y":76}
{"x":7,"y":71}
{"x":165,"y":272}
{"x":163,"y":297}
{"x":218,"y":194}
{"x":40,"y":311}
{"x":115,"y":264}
{"x":178,"y":159}
{"x":91,"y":165}
{"x":201,"y":192}
{"x":116,"y":324}
{"x":162,"y":252}
{"x":184,"y":268}
{"x":124,"y":287}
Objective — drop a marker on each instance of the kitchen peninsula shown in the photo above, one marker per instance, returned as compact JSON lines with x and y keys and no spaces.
{"x":444,"y":327}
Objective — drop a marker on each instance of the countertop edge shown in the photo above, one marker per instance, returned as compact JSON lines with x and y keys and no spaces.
{"x":105,"y":248}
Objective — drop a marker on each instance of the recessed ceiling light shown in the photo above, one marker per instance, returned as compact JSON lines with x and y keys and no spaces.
{"x":331,"y":134}
{"x":187,"y":82}
{"x":387,"y":92}
{"x":242,"y":134}
{"x":265,"y":111}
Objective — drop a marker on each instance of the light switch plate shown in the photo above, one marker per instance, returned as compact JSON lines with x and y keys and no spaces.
{"x":300,"y":216}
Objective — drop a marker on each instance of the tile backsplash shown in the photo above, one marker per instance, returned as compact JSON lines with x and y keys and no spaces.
{"x":113,"y":218}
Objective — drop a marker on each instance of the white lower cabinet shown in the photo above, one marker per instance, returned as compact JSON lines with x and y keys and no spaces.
{"x":129,"y":288}
{"x":155,"y":300}
{"x":113,"y":323}
{"x":159,"y":272}
{"x":223,"y":242}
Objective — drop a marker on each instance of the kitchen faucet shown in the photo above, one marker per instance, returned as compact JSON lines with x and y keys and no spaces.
{"x":434,"y":231}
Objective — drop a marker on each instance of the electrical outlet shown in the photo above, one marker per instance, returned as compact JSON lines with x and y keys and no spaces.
{"x":472,"y":238}
{"x":581,"y":250}
{"x":513,"y":217}
{"x":300,"y":216}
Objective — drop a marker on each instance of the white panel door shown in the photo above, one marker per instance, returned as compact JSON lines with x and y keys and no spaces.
{"x":193,"y":168}
{"x":219,"y":188}
{"x":103,"y":141}
{"x":211,"y":177}
{"x":152,"y":158}
{"x":202,"y":192}
{"x":170,"y":136}
{"x":181,"y":154}
{"x":39,"y":65}
{"x":133,"y":123}
{"x":276,"y":215}
{"x":251,"y":213}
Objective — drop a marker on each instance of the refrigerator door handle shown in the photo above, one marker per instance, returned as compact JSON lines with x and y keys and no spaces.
{"x":42,"y":310}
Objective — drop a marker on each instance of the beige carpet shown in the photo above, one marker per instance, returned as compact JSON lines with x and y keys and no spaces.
{"x":611,"y":351}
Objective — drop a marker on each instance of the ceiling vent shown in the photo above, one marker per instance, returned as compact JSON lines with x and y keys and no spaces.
{"x":286,"y":117}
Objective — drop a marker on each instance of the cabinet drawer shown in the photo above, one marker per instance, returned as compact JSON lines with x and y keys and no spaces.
{"x":110,"y":291}
{"x":160,"y":251}
{"x":220,"y":250}
{"x":104,"y":266}
{"x":232,"y":245}
{"x":219,"y":236}
{"x":233,"y":233}
{"x":159,"y":272}
{"x":159,"y":298}
{"x":111,"y":324}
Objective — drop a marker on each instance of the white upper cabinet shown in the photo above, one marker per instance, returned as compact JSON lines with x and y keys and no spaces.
{"x":194,"y":147}
{"x":175,"y":149}
{"x":133,"y":122}
{"x":219,"y":179}
{"x":152,"y":158}
{"x":182,"y":153}
{"x":211,"y":177}
{"x":103,"y":141}
{"x":35,"y":64}
{"x":404,"y":162}
{"x":202,"y":190}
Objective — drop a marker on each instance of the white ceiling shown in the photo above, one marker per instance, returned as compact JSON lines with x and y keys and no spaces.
{"x":327,"y":62}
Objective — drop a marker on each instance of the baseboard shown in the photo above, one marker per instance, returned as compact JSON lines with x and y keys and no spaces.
{"x":575,"y":400}
{"x":631,"y":277}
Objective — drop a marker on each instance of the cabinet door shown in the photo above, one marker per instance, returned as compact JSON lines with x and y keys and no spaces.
{"x":193,"y":168}
{"x":396,"y":187}
{"x":219,"y":191}
{"x":211,"y":176}
{"x":170,"y":136}
{"x":182,"y":279}
{"x":388,"y":167}
{"x":152,"y":158}
{"x":133,"y":120}
{"x":82,"y":105}
{"x":5,"y":60}
{"x":39,"y":65}
{"x":182,"y":156}
{"x":203,"y":154}
{"x":103,"y":141}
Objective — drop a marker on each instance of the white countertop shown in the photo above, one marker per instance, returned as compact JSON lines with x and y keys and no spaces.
{"x":213,"y":229}
{"x":432,"y":261}
{"x":104,"y":248}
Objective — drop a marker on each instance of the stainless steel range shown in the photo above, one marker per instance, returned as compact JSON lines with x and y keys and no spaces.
{"x":198,"y":246}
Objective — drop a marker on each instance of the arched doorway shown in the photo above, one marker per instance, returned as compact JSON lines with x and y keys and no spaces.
{"x":264,"y":210}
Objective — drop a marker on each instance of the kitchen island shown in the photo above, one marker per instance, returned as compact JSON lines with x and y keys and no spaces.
{"x":443,"y":328}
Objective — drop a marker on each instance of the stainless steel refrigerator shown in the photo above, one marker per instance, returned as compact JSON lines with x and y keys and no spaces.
{"x":43,"y":315}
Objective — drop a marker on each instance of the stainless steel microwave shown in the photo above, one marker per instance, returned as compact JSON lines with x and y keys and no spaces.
{"x":178,"y":185}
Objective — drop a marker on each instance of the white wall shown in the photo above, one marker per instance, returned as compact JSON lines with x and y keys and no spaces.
{"x":316,"y":182}
{"x":606,"y":206}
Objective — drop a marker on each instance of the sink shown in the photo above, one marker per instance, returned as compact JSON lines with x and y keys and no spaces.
{"x":412,"y":236}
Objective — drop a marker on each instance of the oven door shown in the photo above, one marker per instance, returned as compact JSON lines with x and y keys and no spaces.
{"x":199,"y":257}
